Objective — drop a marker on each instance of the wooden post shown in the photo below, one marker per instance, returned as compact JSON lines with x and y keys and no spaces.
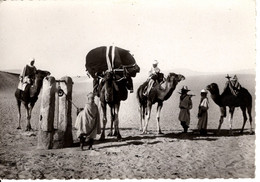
{"x":63,"y":134}
{"x":46,"y":130}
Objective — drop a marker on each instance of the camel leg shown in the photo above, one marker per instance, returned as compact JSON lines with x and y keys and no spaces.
{"x":159,"y":108}
{"x":222,"y":116}
{"x":141,"y":117}
{"x":112,"y":115}
{"x":104,"y":119}
{"x":231,"y":113}
{"x":245,"y":119}
{"x":117,"y":133}
{"x":28,"y":114}
{"x":220,"y":123}
{"x":148,"y":114}
{"x":250,"y":120}
{"x":19,"y":114}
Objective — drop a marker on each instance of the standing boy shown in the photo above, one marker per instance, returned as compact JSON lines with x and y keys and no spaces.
{"x":203,"y":112}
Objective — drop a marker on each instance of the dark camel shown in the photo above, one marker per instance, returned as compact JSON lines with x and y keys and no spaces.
{"x":116,"y":80}
{"x":112,"y":93}
{"x":242,"y":100}
{"x":29,"y":97}
{"x":156,"y":95}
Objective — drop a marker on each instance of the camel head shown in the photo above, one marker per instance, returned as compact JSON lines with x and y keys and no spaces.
{"x":131,"y":71}
{"x":175,"y":78}
{"x":213,"y":89}
{"x":40,"y":74}
{"x":108,"y":76}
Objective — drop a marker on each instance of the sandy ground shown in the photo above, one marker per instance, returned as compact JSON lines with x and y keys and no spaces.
{"x":152,"y":156}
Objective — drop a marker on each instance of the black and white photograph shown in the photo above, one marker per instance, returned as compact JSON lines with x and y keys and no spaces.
{"x":128,"y":90}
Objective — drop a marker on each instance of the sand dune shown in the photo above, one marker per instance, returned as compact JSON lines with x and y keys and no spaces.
{"x":8,"y":81}
{"x":171,"y":155}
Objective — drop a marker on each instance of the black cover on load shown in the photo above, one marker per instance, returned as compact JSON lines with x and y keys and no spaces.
{"x":96,"y":60}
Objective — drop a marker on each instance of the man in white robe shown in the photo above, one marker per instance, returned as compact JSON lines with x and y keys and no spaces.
{"x":88,"y":122}
{"x":203,"y":113}
{"x":153,"y":74}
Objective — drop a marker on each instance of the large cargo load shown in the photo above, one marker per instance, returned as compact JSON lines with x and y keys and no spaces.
{"x":97,"y":60}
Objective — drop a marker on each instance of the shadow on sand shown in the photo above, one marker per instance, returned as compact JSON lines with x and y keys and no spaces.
{"x":156,"y":138}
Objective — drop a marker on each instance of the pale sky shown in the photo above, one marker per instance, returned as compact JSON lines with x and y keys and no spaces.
{"x":201,"y":35}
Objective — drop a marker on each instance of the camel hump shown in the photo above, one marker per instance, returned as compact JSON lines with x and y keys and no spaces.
{"x":233,"y":87}
{"x":101,"y":58}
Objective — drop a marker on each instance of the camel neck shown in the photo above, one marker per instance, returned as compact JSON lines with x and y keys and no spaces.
{"x":167,"y":92}
{"x":216,"y":98}
{"x":37,"y":86}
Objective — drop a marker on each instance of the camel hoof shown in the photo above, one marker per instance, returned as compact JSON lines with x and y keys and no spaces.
{"x":109,"y":134}
{"x":160,"y":133}
{"x":119,"y":137}
{"x":252,"y":133}
{"x":145,"y":132}
{"x":116,"y":133}
{"x":215,"y":133}
{"x":102,"y":137}
{"x":28,"y":129}
{"x":18,"y":128}
{"x":81,"y":146}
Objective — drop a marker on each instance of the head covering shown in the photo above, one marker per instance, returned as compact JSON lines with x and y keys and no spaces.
{"x":203,"y":91}
{"x":235,"y":77}
{"x":155,"y":62}
{"x":185,"y":88}
{"x":32,"y":60}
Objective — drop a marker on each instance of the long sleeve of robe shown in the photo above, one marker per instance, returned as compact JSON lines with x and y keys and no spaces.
{"x":88,"y":121}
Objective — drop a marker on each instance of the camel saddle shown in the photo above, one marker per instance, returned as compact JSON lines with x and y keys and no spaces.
{"x":233,"y":87}
{"x":22,"y":86}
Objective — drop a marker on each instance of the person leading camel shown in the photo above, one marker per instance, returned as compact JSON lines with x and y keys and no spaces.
{"x":88,"y":122}
{"x":153,"y":74}
{"x":203,"y":112}
{"x":185,"y":107}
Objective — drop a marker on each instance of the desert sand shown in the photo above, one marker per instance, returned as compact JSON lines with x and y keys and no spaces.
{"x":169,"y":156}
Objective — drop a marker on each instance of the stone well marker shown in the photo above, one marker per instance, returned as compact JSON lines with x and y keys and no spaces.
{"x":63,"y":133}
{"x":46,"y":120}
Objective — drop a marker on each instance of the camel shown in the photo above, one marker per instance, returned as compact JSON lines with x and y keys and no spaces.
{"x":116,"y":66}
{"x":156,"y":95}
{"x":29,"y":97}
{"x":242,"y":100}
{"x":111,"y":94}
